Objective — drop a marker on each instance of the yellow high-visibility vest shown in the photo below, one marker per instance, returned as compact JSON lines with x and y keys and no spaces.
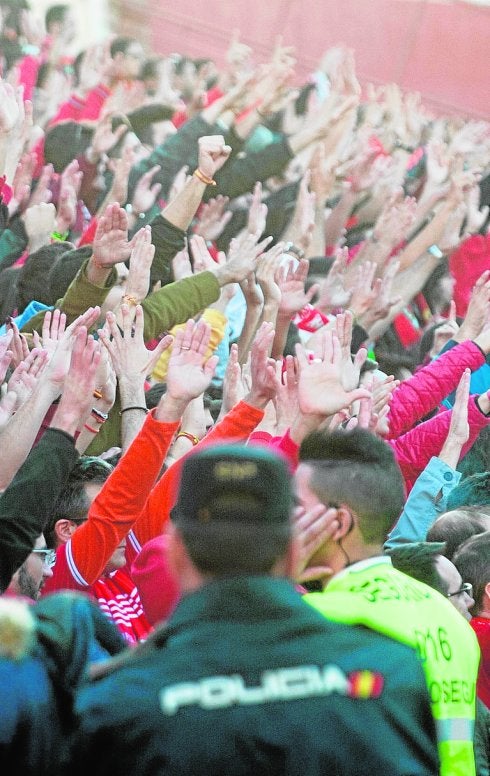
{"x":374,"y":594}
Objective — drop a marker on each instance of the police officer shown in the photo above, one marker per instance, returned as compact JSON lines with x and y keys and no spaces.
{"x":246,"y":678}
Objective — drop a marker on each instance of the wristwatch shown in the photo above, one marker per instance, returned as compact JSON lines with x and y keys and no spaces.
{"x":435,"y":251}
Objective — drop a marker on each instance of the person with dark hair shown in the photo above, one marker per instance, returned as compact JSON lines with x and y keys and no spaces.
{"x":471,"y":491}
{"x":419,"y":560}
{"x":59,"y":21}
{"x":472,"y":559}
{"x":32,"y":282}
{"x":73,"y":503}
{"x":354,"y":477}
{"x":426,"y":562}
{"x":245,"y":675}
{"x":64,"y":270}
{"x":457,"y":525}
{"x":127,"y":55}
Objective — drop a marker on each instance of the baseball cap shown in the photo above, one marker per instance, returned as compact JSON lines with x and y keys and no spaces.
{"x":234,"y":485}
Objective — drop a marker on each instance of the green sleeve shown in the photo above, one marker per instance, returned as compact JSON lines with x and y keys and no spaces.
{"x":177,"y":302}
{"x":168,"y":240}
{"x":80,"y":295}
{"x":239,"y":175}
{"x":12,"y":245}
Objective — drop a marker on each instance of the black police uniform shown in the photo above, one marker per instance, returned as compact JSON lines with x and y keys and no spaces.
{"x":248,"y":679}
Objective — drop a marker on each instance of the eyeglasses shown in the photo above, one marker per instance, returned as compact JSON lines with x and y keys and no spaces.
{"x":466,"y":587}
{"x":49,"y":556}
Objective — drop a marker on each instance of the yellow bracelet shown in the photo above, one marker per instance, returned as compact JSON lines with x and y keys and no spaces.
{"x":130,"y":299}
{"x":204,"y":178}
{"x":190,"y":437}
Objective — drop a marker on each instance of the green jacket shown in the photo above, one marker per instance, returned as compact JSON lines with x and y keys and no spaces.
{"x":247,"y":679}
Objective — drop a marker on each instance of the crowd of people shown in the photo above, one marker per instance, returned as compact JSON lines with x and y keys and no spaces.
{"x":244,"y":415}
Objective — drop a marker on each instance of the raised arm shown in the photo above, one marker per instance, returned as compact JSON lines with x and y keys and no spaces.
{"x":428,"y":497}
{"x":123,"y":496}
{"x":26,"y":504}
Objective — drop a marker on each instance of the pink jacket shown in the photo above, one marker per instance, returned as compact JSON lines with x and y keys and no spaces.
{"x":424,"y":391}
{"x":412,"y":450}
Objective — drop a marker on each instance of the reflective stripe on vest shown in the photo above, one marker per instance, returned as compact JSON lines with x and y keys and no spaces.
{"x":374,"y":594}
{"x":455,"y":729}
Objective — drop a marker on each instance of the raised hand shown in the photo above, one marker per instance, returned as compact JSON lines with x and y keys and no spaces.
{"x":120,"y":168}
{"x":303,"y":221}
{"x":313,"y":527}
{"x":39,"y":221}
{"x":238,"y":55}
{"x":202,"y":259}
{"x":59,"y":362}
{"x":377,"y":296}
{"x":42,"y":192}
{"x":322,"y":174}
{"x":140,"y":261}
{"x":18,"y":344}
{"x":395,"y":220}
{"x":233,"y":390}
{"x":475,"y":217}
{"x":242,"y":257}
{"x":212,"y":154}
{"x":478,"y":311}
{"x":286,"y":400}
{"x":9,"y":107}
{"x":351,"y":367}
{"x":213,"y":218}
{"x":266,"y":274}
{"x":459,"y":430}
{"x":334,"y":292}
{"x":178,"y":182}
{"x":104,"y":139}
{"x":54,"y":325}
{"x":291,"y":281}
{"x":382,"y":392}
{"x":189,"y":373}
{"x":111,"y":244}
{"x":257,"y":213}
{"x":106,"y":383}
{"x":128,"y":351}
{"x":181,"y":265}
{"x":71,"y":180}
{"x":320,"y":389}
{"x":21,"y":185}
{"x":6,"y":354}
{"x":25,"y":376}
{"x":79,"y":383}
{"x":262,"y":368}
{"x":146,"y":192}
